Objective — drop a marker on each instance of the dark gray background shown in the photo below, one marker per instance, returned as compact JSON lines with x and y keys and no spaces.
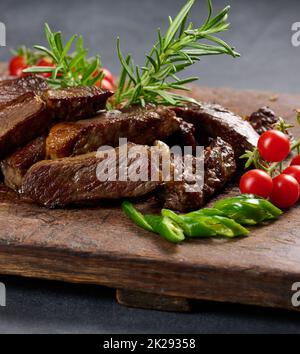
{"x":261,"y":31}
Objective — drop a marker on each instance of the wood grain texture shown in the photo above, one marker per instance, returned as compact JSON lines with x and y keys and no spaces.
{"x":140,"y":299}
{"x":100,"y":245}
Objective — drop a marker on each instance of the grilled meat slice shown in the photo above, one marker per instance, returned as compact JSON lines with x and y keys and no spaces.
{"x":16,"y":165}
{"x":23,"y":120}
{"x":76,"y":103}
{"x":216,"y":121}
{"x":72,"y":103}
{"x":71,"y":180}
{"x":27,"y":108}
{"x":219,"y":167}
{"x":11,"y":89}
{"x":263,"y":119}
{"x":139,"y":126}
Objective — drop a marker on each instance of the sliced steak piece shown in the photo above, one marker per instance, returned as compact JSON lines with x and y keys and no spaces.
{"x":219,"y":168}
{"x":11,"y":89}
{"x":216,"y":121}
{"x":76,"y":103}
{"x":263,"y":119}
{"x":71,"y":180}
{"x":27,"y":108}
{"x":16,"y":165}
{"x":23,"y":120}
{"x":139,"y":126}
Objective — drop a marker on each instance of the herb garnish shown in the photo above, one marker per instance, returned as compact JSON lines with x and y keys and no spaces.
{"x":155,"y":82}
{"x":171,"y":54}
{"x":70,"y":68}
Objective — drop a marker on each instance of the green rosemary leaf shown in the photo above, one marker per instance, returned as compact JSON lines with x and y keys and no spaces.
{"x":46,"y":51}
{"x":124,"y":63}
{"x":74,"y":68}
{"x":175,"y":25}
{"x":172,"y":53}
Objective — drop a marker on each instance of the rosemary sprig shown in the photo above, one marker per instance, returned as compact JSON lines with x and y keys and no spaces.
{"x":180,"y":47}
{"x":70,"y":68}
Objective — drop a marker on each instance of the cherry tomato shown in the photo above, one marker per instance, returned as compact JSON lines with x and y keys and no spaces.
{"x":108,"y":79}
{"x":285,"y":191}
{"x":274,"y":146}
{"x":295,"y":161}
{"x":256,"y":182}
{"x":108,"y":75}
{"x":107,"y":85}
{"x":45,"y":62}
{"x":16,"y":65}
{"x":293,"y":171}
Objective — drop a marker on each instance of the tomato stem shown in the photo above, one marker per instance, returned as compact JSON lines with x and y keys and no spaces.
{"x":274,"y":166}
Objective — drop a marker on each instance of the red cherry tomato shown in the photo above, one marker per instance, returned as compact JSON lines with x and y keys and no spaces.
{"x":256,"y":182}
{"x":274,"y":146}
{"x":108,"y":79}
{"x":16,"y":65}
{"x":45,"y":62}
{"x":295,"y":161}
{"x":286,"y":191}
{"x":107,"y":85}
{"x":108,"y":75}
{"x":293,"y":171}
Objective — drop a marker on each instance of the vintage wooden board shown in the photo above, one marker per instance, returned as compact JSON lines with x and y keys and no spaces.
{"x":100,"y":246}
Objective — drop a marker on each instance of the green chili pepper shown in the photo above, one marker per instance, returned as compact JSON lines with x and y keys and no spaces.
{"x":206,"y":212}
{"x":136,"y":216}
{"x":166,"y":227}
{"x":206,"y":223}
{"x":192,"y":227}
{"x":248,"y":209}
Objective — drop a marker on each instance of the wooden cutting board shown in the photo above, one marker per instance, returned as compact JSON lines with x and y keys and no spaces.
{"x":99,"y":245}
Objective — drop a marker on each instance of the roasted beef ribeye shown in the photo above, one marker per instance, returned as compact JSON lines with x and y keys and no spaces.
{"x":75,"y":103}
{"x":28,"y":109}
{"x":216,"y":121}
{"x":138,"y":125}
{"x":73,"y":180}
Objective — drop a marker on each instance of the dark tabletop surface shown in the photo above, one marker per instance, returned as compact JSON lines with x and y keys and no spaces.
{"x":261,"y":31}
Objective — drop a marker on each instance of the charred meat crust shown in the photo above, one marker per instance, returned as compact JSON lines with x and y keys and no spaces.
{"x":16,"y":165}
{"x":25,"y":119}
{"x":139,"y":126}
{"x":216,"y":121}
{"x":75,"y":103}
{"x":219,"y":167}
{"x":61,"y":182}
